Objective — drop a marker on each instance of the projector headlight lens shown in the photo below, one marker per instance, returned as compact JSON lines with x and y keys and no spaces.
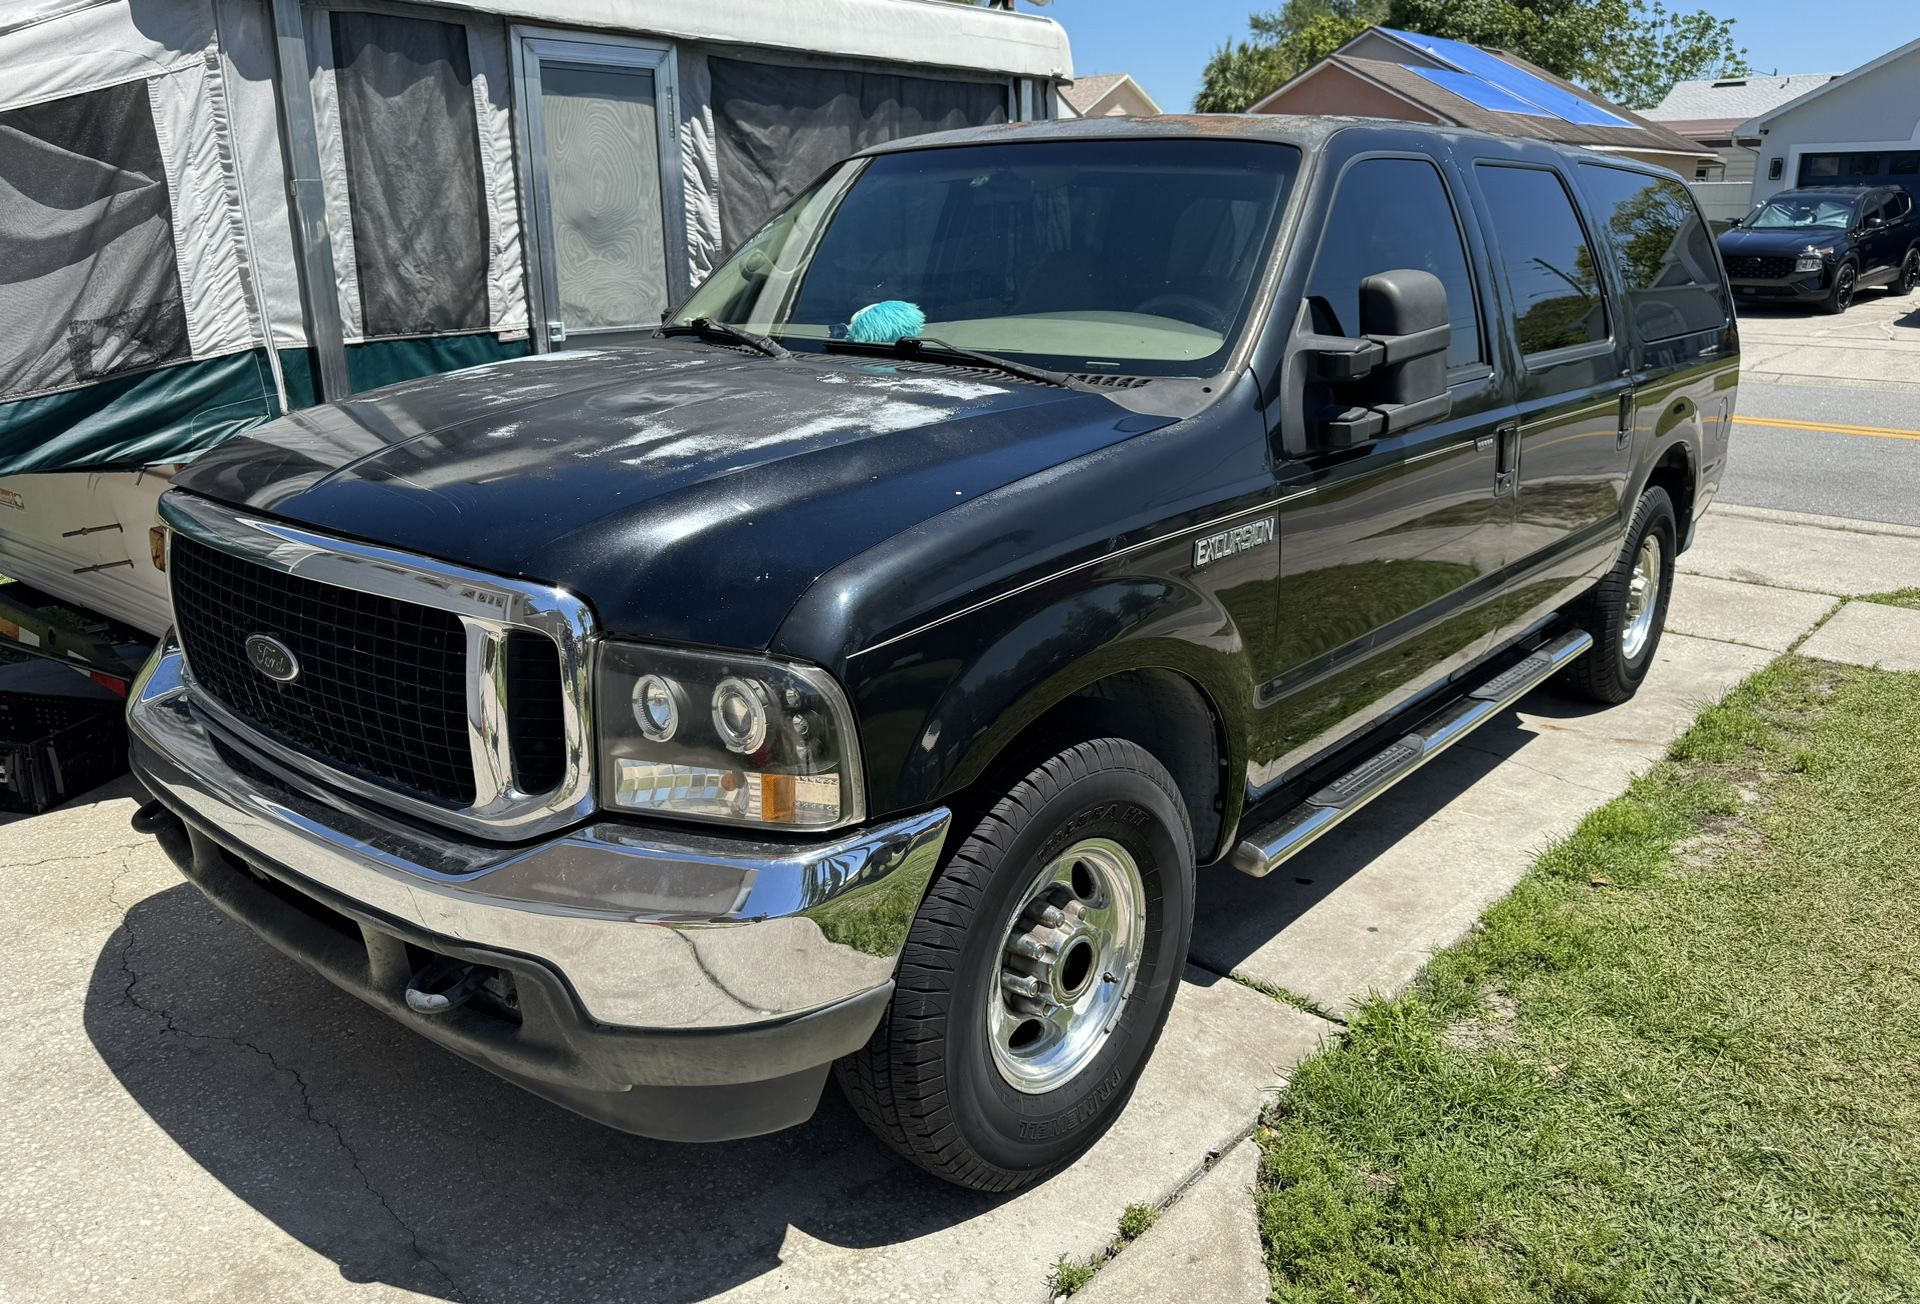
{"x":775,"y":746}
{"x":656,"y":707}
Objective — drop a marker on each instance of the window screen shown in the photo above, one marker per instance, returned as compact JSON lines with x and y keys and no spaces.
{"x":779,"y":127}
{"x":413,"y":174}
{"x":1551,"y":274}
{"x":88,"y":285}
{"x":1666,"y":252}
{"x":1393,"y":213}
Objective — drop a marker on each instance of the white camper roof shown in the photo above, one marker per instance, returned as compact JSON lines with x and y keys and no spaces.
{"x":930,"y":32}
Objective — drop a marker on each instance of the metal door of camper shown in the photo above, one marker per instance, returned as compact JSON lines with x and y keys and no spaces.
{"x":602,"y":169}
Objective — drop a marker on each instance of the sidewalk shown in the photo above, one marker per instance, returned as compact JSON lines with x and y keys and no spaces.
{"x":183,"y":1114}
{"x":1361,"y":916}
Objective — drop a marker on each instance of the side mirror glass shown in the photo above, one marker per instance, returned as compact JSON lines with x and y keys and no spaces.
{"x":1394,"y":375}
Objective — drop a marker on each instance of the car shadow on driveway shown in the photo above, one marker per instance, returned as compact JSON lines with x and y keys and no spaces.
{"x":1236,"y":916}
{"x":405,"y":1165}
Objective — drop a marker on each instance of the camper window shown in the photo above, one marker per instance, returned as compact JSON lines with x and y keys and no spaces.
{"x":90,"y":288}
{"x":779,"y":127}
{"x":414,"y":183}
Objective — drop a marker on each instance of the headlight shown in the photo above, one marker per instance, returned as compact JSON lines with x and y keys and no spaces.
{"x":1810,"y":261}
{"x":726,"y":739}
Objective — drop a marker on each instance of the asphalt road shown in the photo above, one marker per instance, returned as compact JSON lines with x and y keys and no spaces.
{"x":1836,"y":450}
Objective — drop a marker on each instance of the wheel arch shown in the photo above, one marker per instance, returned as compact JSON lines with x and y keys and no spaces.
{"x":1676,"y":471}
{"x":1151,"y":659}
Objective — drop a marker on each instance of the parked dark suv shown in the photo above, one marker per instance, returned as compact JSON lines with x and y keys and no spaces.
{"x":862,"y":673}
{"x":1821,"y":244}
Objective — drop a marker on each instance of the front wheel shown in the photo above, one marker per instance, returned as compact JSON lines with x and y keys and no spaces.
{"x":1037,"y":974}
{"x":1628,"y":609}
{"x":1846,"y":279}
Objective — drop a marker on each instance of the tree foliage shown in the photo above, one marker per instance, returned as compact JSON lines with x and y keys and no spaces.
{"x":1631,"y":51}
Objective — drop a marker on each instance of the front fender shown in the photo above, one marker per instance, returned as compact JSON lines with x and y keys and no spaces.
{"x":939,"y":708}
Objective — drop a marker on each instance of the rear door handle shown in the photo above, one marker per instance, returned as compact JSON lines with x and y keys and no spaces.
{"x":1506,"y":457}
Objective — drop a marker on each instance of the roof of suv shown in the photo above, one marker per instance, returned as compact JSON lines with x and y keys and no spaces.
{"x":1305,"y":132}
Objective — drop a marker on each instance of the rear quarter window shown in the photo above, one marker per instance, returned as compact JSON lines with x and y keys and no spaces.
{"x":1664,"y":248}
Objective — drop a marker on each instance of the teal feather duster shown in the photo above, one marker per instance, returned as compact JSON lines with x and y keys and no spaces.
{"x":886,"y":321}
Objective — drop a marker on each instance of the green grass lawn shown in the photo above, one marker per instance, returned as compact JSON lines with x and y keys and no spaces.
{"x":1909,"y":598}
{"x":1680,"y":1062}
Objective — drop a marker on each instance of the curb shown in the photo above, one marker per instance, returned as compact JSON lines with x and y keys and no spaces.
{"x":1848,"y":525}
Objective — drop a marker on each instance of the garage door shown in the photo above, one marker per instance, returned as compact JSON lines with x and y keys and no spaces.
{"x":1865,"y":168}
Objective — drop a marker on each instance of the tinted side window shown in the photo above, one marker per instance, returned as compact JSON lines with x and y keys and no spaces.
{"x":1392,"y":213}
{"x":1550,"y":268}
{"x":1665,"y":251}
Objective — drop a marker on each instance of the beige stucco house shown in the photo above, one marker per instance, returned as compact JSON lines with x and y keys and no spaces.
{"x":1106,"y":95}
{"x":1385,"y":73}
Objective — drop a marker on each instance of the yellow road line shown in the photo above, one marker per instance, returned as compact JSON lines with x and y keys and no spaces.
{"x":1830,"y":428}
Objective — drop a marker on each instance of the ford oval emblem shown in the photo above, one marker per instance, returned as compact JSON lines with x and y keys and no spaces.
{"x":273,"y":658}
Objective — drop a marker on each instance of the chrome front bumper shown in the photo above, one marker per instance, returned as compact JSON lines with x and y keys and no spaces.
{"x":672,"y":931}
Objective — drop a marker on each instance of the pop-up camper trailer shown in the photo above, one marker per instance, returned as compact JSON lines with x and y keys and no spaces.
{"x":192,"y":242}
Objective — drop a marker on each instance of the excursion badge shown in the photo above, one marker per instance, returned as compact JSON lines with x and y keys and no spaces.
{"x":1212,"y":547}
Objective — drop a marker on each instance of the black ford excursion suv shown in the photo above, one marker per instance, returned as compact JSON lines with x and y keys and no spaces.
{"x":857,"y":676}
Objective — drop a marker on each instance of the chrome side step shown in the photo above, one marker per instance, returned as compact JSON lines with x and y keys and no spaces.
{"x":1265,"y":849}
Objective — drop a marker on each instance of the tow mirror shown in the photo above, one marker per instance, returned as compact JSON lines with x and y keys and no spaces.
{"x":1394,"y":375}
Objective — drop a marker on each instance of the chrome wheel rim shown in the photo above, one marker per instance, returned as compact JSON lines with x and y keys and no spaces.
{"x":1068,"y":960}
{"x":1643,"y":592}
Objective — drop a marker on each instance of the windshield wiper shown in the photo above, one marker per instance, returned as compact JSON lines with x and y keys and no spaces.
{"x":708,"y":328}
{"x":915,"y":346}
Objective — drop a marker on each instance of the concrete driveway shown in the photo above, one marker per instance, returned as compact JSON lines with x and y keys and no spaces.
{"x":186,"y":1115}
{"x":1876,"y":340}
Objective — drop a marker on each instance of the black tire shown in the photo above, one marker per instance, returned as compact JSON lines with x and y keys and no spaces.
{"x":1607,"y":672}
{"x":1908,"y":275}
{"x":927,"y":1081}
{"x":1846,"y":283}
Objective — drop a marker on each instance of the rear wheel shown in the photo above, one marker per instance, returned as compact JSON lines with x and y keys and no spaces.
{"x":1846,"y":279}
{"x":1909,"y":273}
{"x":1037,"y":974}
{"x":1628,"y":610}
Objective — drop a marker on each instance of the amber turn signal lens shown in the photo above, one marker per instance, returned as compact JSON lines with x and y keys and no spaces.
{"x":157,"y":546}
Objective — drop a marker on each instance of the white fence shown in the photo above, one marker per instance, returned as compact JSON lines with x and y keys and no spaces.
{"x":1722,"y":201}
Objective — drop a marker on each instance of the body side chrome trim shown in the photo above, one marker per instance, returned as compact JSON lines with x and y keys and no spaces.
{"x":489,"y":606}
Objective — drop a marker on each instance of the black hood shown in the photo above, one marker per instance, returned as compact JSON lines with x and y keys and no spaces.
{"x":1784,"y":241}
{"x":687,"y":492}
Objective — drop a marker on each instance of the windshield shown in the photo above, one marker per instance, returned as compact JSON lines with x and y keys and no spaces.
{"x":1803,"y":212}
{"x":1133,"y":257}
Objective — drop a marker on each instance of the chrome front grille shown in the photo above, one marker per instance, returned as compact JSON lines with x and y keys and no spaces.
{"x":382,"y":688}
{"x":443,"y":692}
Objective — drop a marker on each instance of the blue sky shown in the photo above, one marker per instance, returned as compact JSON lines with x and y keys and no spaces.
{"x":1165,"y":45}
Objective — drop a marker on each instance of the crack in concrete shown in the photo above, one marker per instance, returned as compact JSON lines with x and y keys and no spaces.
{"x":93,"y":854}
{"x":1272,"y":991}
{"x":171,"y":1025}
